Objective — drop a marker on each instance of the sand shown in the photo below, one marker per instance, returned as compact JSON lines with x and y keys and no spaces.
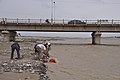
{"x":76,"y":59}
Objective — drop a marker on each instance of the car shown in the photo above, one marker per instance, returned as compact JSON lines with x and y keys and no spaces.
{"x":76,"y":22}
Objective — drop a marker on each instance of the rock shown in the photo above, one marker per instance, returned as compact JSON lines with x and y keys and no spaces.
{"x":33,"y":71}
{"x":20,"y":71}
{"x":27,"y":78}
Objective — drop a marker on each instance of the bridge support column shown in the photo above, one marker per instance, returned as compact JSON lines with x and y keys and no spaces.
{"x":8,"y":36}
{"x":96,"y":37}
{"x":0,"y":36}
{"x":5,"y":36}
{"x":0,"y":33}
{"x":12,"y":35}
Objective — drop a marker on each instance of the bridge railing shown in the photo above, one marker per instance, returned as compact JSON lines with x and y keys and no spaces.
{"x":63,"y":21}
{"x":7,"y":20}
{"x":116,"y":21}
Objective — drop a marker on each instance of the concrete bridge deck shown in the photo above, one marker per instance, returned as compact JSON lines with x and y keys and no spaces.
{"x":59,"y":25}
{"x":8,"y":27}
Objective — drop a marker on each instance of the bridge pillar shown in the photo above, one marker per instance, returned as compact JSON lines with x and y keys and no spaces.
{"x":12,"y":35}
{"x":0,"y":33}
{"x":8,"y":36}
{"x":96,"y":37}
{"x":0,"y":36}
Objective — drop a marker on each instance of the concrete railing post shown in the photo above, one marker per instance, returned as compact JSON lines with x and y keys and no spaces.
{"x":5,"y":20}
{"x":40,"y":21}
{"x":17,"y":20}
{"x":112,"y":22}
{"x":63,"y":22}
{"x":28,"y":21}
{"x":86,"y":22}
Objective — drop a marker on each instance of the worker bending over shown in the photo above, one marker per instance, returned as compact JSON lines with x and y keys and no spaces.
{"x":42,"y":50}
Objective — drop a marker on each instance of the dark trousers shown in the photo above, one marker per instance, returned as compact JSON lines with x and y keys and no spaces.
{"x":12,"y":53}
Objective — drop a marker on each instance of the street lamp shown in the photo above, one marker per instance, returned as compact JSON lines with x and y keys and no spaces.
{"x":51,"y":11}
{"x":54,"y":11}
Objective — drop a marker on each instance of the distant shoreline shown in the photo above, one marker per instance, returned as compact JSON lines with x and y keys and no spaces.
{"x":69,"y":37}
{"x":68,"y":40}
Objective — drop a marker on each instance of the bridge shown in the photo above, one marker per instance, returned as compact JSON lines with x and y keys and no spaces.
{"x":8,"y":27}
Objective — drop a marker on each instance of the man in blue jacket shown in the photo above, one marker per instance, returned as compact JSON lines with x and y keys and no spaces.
{"x":15,"y":46}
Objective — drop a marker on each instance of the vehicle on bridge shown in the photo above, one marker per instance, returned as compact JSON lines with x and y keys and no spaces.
{"x":76,"y":22}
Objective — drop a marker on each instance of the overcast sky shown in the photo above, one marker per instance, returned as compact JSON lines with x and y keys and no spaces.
{"x":64,"y":9}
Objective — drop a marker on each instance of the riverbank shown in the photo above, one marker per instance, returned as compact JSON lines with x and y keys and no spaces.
{"x":76,"y":58}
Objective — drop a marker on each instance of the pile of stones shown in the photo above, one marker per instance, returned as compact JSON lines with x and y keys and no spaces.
{"x":20,"y":67}
{"x":42,"y":73}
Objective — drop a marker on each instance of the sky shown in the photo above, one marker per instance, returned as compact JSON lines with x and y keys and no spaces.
{"x":64,"y":9}
{"x":61,"y":9}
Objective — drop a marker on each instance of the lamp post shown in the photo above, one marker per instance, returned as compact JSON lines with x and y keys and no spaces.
{"x":51,"y":11}
{"x":54,"y":11}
